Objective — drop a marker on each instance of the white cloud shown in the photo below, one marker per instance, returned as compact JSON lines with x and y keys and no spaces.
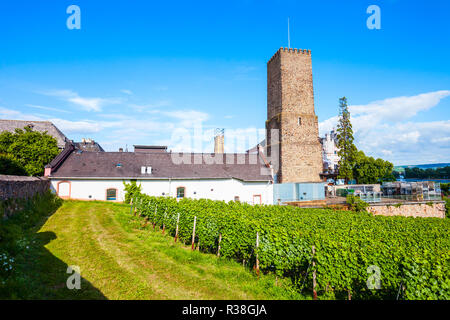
{"x":151,"y":107}
{"x":77,"y":127}
{"x":187,"y":118}
{"x":66,"y":126}
{"x":116,"y":130}
{"x":47,"y":108}
{"x":384,"y":129}
{"x":126,"y":91}
{"x":88,"y":104}
{"x":6,"y":113}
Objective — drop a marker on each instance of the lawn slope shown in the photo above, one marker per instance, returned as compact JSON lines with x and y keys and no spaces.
{"x":119,"y":259}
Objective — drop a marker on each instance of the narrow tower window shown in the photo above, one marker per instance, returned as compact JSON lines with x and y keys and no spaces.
{"x":299,"y":121}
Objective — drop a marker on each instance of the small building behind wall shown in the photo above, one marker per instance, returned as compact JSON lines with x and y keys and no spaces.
{"x":101,"y":176}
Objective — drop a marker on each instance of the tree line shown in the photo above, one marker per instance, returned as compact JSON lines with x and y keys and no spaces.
{"x":418,"y":173}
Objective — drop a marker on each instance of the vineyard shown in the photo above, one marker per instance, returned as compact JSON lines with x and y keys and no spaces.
{"x":333,"y":253}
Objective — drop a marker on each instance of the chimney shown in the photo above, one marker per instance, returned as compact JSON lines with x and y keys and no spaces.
{"x":219,"y":140}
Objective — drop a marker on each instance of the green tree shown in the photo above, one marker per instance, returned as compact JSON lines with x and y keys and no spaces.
{"x":368,"y":170}
{"x":10,"y":166}
{"x":347,"y":150}
{"x":31,"y":150}
{"x":445,"y":188}
{"x":6,"y":139}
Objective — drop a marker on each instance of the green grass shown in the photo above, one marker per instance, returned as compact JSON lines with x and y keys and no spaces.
{"x":120,"y":259}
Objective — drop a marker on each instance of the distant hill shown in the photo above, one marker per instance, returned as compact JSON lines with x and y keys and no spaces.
{"x":421,"y":166}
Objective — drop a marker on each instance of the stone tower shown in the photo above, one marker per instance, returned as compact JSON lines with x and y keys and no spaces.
{"x":219,"y":140}
{"x":290,"y":109}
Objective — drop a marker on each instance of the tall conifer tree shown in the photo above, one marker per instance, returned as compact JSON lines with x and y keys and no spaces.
{"x":347,"y":150}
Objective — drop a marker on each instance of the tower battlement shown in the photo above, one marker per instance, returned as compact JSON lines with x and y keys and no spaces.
{"x":290,"y":50}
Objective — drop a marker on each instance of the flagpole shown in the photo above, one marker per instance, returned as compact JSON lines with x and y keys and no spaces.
{"x":289,"y":36}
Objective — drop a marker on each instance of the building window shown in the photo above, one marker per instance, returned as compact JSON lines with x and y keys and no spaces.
{"x":299,"y":121}
{"x":180,"y":192}
{"x":111,"y":194}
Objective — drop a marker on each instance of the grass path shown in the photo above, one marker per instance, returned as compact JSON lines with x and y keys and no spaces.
{"x":121,"y":260}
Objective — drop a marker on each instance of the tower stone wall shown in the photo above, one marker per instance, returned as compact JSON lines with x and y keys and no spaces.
{"x":290,"y":109}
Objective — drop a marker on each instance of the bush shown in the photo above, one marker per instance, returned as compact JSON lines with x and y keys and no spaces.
{"x":356,"y":204}
{"x":346,"y":244}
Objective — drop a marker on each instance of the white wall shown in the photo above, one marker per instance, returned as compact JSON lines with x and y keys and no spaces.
{"x":222,"y":189}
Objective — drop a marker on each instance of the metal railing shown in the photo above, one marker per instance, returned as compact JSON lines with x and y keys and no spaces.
{"x":415,"y":197}
{"x":369,"y":196}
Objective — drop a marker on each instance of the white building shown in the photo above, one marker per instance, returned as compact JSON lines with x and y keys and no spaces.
{"x":329,"y":152}
{"x":76,"y":174}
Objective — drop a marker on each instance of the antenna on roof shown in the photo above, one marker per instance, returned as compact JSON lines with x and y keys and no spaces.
{"x":289,"y":36}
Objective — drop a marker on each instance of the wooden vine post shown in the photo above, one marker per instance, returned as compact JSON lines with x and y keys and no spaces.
{"x":140,"y":208}
{"x":154,"y":220}
{"x":134,"y":212}
{"x":257,"y":259}
{"x":314,"y":273}
{"x":218,"y":249}
{"x":164,"y":223}
{"x":131,"y":206}
{"x":193,"y":233}
{"x":176,"y":231}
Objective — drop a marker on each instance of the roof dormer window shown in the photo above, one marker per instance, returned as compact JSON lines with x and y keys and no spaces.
{"x":146,"y":170}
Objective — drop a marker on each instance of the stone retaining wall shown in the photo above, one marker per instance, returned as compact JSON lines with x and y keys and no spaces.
{"x":410,"y":209}
{"x":14,"y":188}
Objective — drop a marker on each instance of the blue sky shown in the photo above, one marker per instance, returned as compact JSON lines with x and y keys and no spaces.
{"x":147,"y":72}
